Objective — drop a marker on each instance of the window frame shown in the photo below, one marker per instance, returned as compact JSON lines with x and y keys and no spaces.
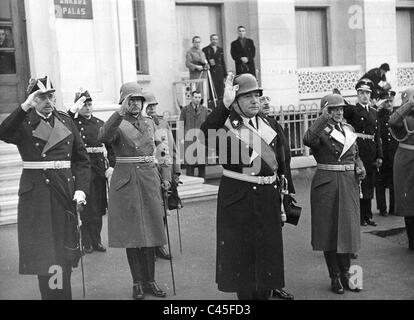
{"x":325,"y":9}
{"x":140,"y":37}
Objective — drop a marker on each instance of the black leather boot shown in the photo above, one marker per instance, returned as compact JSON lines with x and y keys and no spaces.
{"x":138,"y":291}
{"x":334,"y":271}
{"x":153,"y":288}
{"x":344,"y":260}
{"x":336,"y":284}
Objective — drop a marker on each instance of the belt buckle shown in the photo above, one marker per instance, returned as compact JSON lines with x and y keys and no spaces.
{"x":348,"y":167}
{"x":147,"y":159}
{"x":266,"y":180}
{"x":57,"y":165}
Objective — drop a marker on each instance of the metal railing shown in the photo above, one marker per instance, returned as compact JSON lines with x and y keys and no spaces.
{"x":295,"y":120}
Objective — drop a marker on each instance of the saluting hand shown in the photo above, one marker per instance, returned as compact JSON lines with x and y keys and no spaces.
{"x":124,"y":107}
{"x":326,"y":113}
{"x":32,"y":100}
{"x":78,"y":105}
{"x":229,"y":90}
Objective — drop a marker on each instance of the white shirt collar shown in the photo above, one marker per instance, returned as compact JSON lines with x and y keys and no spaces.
{"x":43,"y":116}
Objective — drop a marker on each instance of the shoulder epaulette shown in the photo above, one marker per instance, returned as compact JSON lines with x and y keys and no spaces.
{"x":63,"y":113}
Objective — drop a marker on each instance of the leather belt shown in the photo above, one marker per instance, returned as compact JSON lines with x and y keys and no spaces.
{"x":365,"y":136}
{"x":95,"y":149}
{"x":406,"y":146}
{"x":140,"y":159}
{"x":59,"y":164}
{"x":247,"y":178}
{"x":336,"y":167}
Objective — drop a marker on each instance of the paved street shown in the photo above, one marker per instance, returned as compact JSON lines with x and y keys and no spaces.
{"x":388,"y":266}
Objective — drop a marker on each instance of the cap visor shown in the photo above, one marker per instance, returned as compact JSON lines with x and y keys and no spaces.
{"x":48,"y":91}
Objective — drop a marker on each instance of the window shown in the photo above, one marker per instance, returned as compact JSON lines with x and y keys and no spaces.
{"x":405,"y":33}
{"x":141,"y":56}
{"x":311,"y":37}
{"x":7,"y":49}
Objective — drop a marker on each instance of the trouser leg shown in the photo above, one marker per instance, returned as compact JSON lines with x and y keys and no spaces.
{"x":202,"y":170}
{"x":366,"y":213}
{"x":95,"y":231}
{"x":332,"y":264}
{"x":380,"y":195}
{"x":392,"y":200}
{"x":344,"y":262}
{"x":147,"y":258}
{"x":409,"y":225}
{"x":190,"y":170}
{"x":86,"y":234}
{"x":57,"y":289}
{"x":133,"y":255}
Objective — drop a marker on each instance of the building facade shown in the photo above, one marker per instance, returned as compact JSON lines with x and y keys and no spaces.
{"x":304,"y":49}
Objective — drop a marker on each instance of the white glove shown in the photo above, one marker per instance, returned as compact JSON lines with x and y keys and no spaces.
{"x":79,"y":197}
{"x":108,"y":173}
{"x":31,"y":101}
{"x":229,"y":90}
{"x":78,"y":105}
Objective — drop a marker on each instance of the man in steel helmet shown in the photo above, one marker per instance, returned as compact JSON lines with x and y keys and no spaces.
{"x":135,"y":213}
{"x":249,"y":232}
{"x":335,"y":190}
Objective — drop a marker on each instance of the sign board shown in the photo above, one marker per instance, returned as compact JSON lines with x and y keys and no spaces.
{"x":73,"y":9}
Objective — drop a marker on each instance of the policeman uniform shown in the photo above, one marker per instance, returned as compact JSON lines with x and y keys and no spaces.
{"x":55,"y":164}
{"x":364,"y":119}
{"x":97,"y":203}
{"x":384,"y":177}
{"x":335,"y":193}
{"x":135,"y":209}
{"x":402,"y":127}
{"x":249,"y":233}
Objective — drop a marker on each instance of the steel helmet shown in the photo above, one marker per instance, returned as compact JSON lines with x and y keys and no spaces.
{"x":332,"y":100}
{"x":150,"y":98}
{"x":406,"y":95}
{"x":132,"y":88}
{"x":246,"y":83}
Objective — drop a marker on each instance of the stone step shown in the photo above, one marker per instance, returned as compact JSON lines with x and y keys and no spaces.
{"x":10,"y":178}
{"x":9,"y":190}
{"x":7,"y":148}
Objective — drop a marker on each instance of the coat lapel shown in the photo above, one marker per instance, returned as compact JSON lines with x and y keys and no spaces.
{"x":59,"y":132}
{"x":350,"y":138}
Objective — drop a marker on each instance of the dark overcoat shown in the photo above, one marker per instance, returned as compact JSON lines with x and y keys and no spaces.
{"x":369,"y":149}
{"x":218,"y":70}
{"x":249,"y":232}
{"x":97,"y":199}
{"x":238,"y":51}
{"x":135,"y":212}
{"x":41,"y":215}
{"x":402,"y":127}
{"x":192,"y":121}
{"x":389,"y":147}
{"x":334,"y":194}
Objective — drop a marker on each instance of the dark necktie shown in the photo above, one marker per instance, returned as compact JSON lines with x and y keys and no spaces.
{"x":49,"y":120}
{"x":338,"y":127}
{"x":251,"y":123}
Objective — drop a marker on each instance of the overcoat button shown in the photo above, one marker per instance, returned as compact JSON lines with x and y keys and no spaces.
{"x":68,"y":155}
{"x":68,"y":142}
{"x":254,"y":188}
{"x":83,"y":137}
{"x":47,"y":181}
{"x":80,"y":122}
{"x":37,"y":144}
{"x":44,"y":155}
